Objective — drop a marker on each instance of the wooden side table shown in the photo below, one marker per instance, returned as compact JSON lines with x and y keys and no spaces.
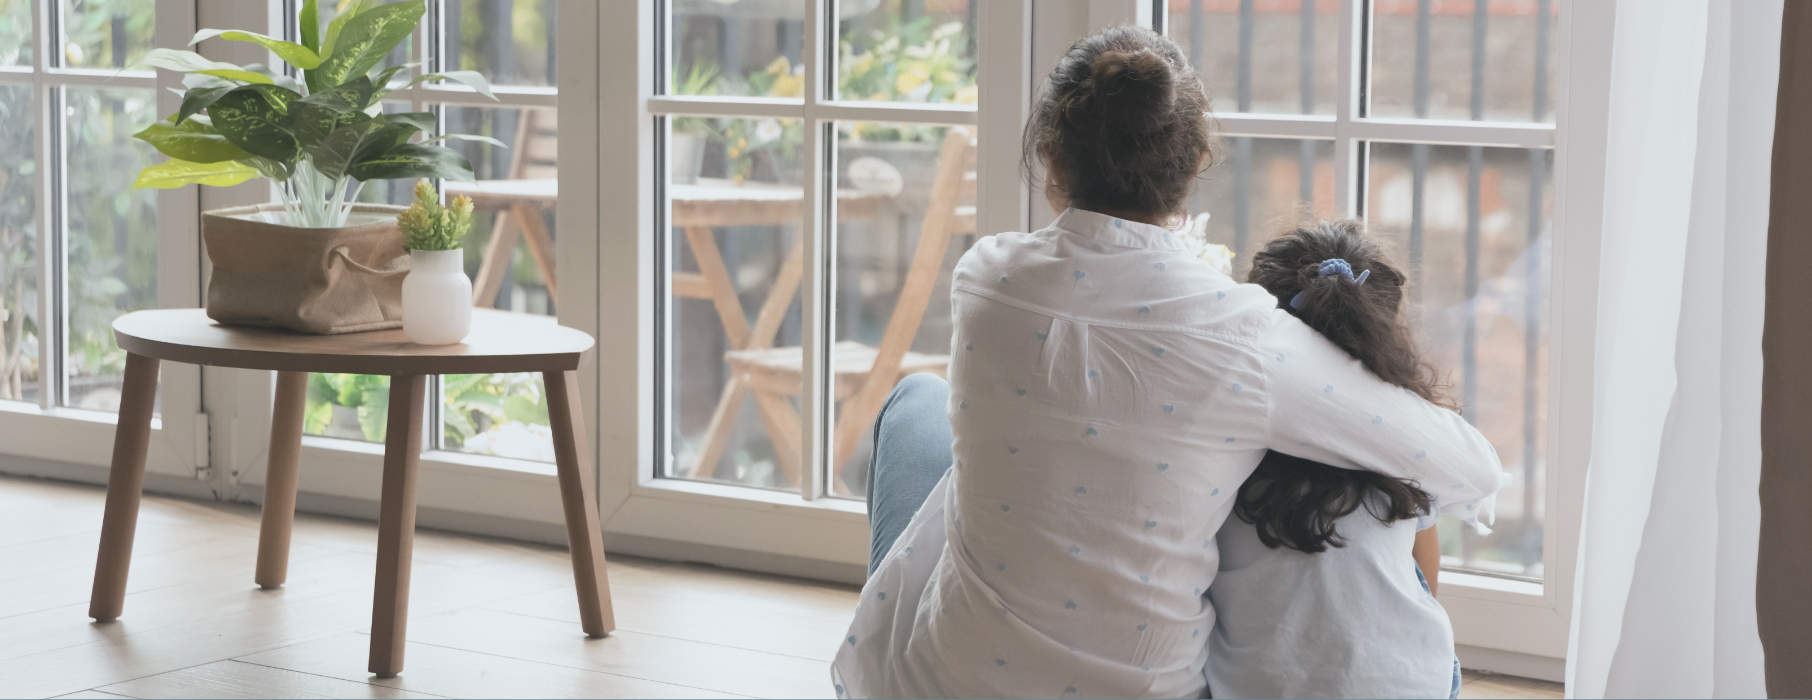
{"x":500,"y":342}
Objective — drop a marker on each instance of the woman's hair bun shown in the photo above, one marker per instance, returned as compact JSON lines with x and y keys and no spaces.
{"x":1121,"y":124}
{"x":1131,"y":90}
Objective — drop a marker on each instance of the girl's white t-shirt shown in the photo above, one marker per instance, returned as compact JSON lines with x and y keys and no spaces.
{"x":1350,"y":622}
{"x":1109,"y":393}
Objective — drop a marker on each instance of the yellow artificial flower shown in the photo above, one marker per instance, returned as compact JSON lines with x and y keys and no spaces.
{"x":788,"y":85}
{"x":910,"y":79}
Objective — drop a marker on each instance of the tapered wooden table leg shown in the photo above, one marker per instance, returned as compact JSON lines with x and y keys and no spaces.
{"x":396,"y":523}
{"x":131,"y":438}
{"x":280,"y":479}
{"x":583,"y":536}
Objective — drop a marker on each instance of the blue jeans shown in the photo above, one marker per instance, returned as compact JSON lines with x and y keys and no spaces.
{"x":911,"y":452}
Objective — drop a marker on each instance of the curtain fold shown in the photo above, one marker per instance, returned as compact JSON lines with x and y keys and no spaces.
{"x":1665,"y":598}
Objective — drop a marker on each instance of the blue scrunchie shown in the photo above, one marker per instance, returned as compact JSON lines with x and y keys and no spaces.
{"x":1329,"y":267}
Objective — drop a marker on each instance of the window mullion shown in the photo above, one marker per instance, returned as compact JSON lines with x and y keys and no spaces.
{"x":815,"y":284}
{"x":50,"y":220}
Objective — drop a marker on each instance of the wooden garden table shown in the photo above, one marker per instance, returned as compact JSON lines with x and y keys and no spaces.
{"x":711,"y":202}
{"x":500,"y":342}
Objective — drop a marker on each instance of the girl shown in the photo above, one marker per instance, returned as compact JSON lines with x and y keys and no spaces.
{"x":1104,"y":384}
{"x":1318,"y":595}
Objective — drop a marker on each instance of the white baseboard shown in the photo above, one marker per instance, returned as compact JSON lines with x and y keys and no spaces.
{"x":1512,"y":663}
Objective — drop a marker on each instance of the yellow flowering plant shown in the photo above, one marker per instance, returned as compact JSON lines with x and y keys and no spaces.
{"x":429,"y":226}
{"x":913,"y":63}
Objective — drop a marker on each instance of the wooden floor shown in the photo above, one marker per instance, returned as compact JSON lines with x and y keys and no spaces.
{"x":488,"y":618}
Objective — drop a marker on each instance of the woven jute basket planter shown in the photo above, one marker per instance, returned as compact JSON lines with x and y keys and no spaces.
{"x":309,"y":280}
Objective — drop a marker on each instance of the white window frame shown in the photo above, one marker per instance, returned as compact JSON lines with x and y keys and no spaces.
{"x":1513,"y":626}
{"x":221,"y":416}
{"x":459,"y":491}
{"x":44,"y":433}
{"x":607,"y":100}
{"x":1503,"y":624}
{"x":805,"y":533}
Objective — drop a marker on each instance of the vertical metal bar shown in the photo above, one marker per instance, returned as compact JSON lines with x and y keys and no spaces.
{"x":1242,"y":146}
{"x":550,"y":11}
{"x":1418,"y":188}
{"x":1305,"y":180}
{"x":1242,"y":193}
{"x":1196,"y":29}
{"x":1469,"y":371}
{"x":1349,"y":104}
{"x":1305,"y":70}
{"x":1305,"y":169}
{"x":1422,"y":51}
{"x":1245,"y":56}
{"x":1419,"y":156}
{"x":1475,"y":168}
{"x":816,"y":303}
{"x":1479,"y":19}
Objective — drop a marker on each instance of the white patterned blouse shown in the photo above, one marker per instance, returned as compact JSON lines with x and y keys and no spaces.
{"x":1109,"y":393}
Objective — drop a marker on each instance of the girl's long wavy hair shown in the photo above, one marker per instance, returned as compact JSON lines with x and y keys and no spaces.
{"x":1294,"y":502}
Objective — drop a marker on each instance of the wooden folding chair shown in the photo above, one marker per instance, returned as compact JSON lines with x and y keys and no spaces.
{"x":863,"y":375}
{"x":533,"y":188}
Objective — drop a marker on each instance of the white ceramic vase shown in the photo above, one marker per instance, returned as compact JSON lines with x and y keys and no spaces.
{"x":437,"y":298}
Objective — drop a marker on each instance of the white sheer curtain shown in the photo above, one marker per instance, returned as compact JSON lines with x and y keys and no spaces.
{"x":1665,"y":600}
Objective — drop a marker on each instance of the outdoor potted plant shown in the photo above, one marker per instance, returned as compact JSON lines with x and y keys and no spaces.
{"x":318,"y":262}
{"x":437,"y":295}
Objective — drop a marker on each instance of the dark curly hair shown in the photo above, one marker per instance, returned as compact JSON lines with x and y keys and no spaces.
{"x":1295,"y":502}
{"x":1122,"y":124}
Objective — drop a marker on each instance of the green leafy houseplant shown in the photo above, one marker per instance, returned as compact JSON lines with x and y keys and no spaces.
{"x":320,"y":138}
{"x":429,"y":226}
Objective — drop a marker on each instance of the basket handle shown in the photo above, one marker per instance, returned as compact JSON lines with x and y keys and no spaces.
{"x":398,"y":265}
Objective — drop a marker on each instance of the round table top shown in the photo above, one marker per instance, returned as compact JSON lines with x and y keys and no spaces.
{"x":501,"y":341}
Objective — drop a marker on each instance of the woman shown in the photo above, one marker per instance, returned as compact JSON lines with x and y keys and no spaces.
{"x":1108,"y":394}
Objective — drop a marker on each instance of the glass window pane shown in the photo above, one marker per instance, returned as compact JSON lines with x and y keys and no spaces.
{"x":907,"y":50}
{"x":496,"y":414}
{"x":1464,"y":60}
{"x":15,"y":33}
{"x":514,"y":194}
{"x":510,"y":41}
{"x":112,"y":234}
{"x":900,"y":232}
{"x":348,"y":406}
{"x":18,"y":248}
{"x":733,"y":323}
{"x":1472,"y":224}
{"x":1259,"y":187}
{"x":1261,"y":57}
{"x":749,"y":47}
{"x":510,"y":257}
{"x":106,"y":33}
